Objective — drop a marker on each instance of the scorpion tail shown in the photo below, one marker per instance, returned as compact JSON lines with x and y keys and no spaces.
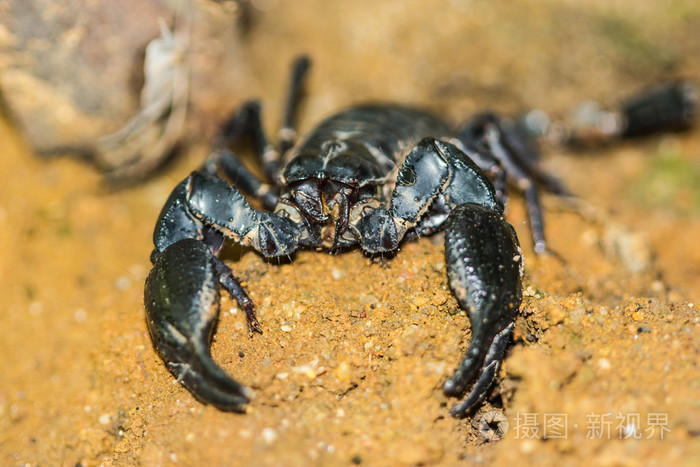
{"x":484,"y":267}
{"x":182,"y":306}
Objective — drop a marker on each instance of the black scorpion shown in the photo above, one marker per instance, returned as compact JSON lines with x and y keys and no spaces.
{"x":372,"y":175}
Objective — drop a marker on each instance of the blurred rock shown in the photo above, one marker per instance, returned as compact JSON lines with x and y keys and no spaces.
{"x":73,"y":72}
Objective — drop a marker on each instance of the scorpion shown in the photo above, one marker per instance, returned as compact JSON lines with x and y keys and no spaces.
{"x":371,"y":176}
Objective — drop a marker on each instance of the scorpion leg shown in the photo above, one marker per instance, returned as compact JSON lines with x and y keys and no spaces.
{"x":517,"y":151}
{"x":246,"y":122}
{"x":672,"y":107}
{"x":287,"y":133}
{"x":229,"y":282}
{"x":182,"y":307}
{"x":496,"y":136}
{"x":241,"y":177}
{"x":484,"y":267}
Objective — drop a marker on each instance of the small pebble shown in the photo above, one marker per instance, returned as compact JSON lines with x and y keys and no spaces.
{"x":343,"y":372}
{"x":604,"y":364}
{"x":269,"y":435}
{"x":336,"y":273}
{"x":80,"y":315}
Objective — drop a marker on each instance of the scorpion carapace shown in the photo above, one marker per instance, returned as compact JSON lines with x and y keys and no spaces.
{"x":369,"y":176}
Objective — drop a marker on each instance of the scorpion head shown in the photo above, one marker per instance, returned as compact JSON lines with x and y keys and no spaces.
{"x":326,"y":203}
{"x":325,"y":187}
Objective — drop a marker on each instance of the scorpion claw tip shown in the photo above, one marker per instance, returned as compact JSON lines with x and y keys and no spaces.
{"x":253,"y":324}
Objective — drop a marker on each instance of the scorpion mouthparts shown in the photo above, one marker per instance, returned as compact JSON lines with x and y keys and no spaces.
{"x":309,"y":197}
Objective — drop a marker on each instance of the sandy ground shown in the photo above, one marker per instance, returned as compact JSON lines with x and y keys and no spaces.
{"x":604,"y":363}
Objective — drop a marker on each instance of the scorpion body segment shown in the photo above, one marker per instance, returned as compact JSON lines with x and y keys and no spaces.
{"x":370,"y":176}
